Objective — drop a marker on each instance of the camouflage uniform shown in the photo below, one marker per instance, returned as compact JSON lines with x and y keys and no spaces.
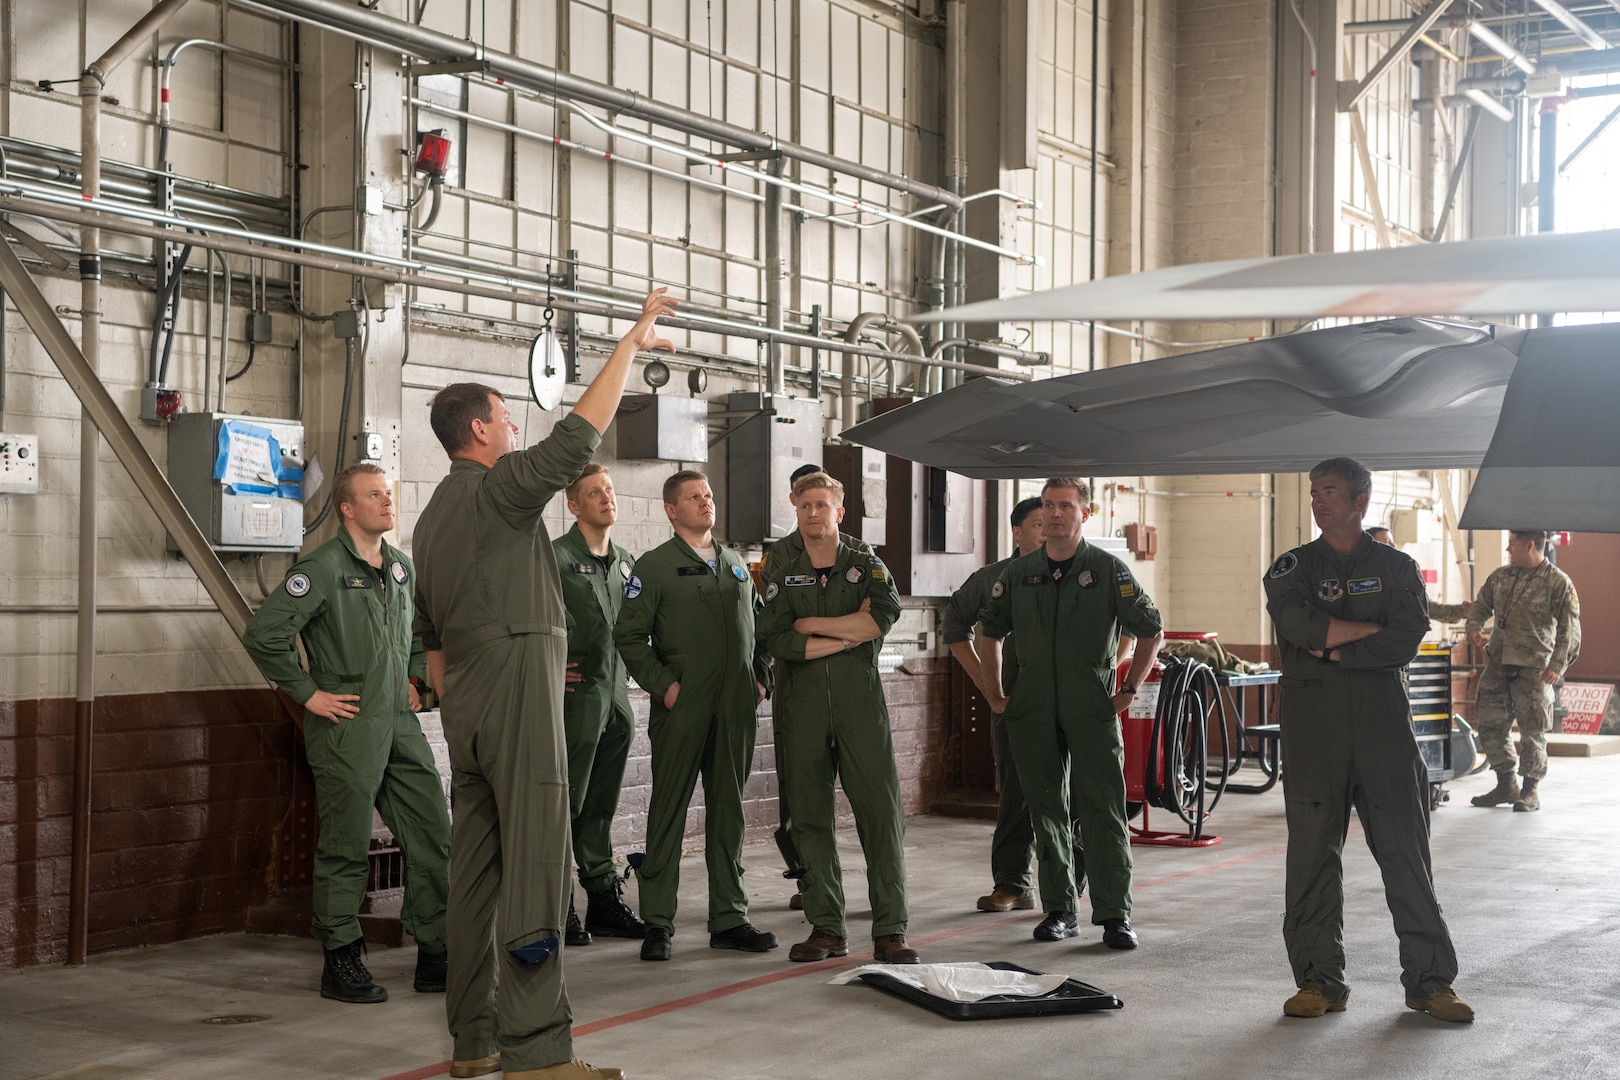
{"x":1538,"y":628}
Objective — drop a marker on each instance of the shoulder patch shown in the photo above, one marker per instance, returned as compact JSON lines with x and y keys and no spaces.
{"x":854,"y":575}
{"x":624,"y":568}
{"x":878,"y":570}
{"x":1086,"y":578}
{"x":632,"y":587}
{"x":1283,"y":566}
{"x":1123,"y":576}
{"x":298,"y":585}
{"x":399,"y":572}
{"x":771,"y":590}
{"x":738,"y":572}
{"x":996,"y":590}
{"x":1127,"y":591}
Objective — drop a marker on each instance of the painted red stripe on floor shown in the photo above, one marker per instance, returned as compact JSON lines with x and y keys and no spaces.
{"x":797,"y":971}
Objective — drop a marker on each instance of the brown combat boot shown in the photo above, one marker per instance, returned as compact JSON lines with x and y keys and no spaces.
{"x":892,"y":949}
{"x":1505,"y":791}
{"x":1442,"y":1005}
{"x":1007,"y":899}
{"x":1528,"y":800}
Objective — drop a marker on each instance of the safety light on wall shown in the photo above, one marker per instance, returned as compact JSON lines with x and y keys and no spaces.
{"x":432,"y":154}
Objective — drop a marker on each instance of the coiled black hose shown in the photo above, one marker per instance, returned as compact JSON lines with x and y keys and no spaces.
{"x":1179,"y":744}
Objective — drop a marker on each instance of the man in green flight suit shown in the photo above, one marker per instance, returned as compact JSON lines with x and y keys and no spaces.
{"x":490,"y":610}
{"x":1013,"y":842}
{"x":350,"y":601}
{"x":784,"y":550}
{"x":686,"y":632}
{"x":596,"y":710}
{"x":826,"y":612}
{"x":1068,"y":604}
{"x":1350,"y":613}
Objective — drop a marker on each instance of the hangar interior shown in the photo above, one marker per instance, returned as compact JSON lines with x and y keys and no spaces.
{"x":311,"y":215}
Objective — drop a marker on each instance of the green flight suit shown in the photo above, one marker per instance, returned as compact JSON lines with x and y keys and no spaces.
{"x":355,"y":622}
{"x":783,"y":551}
{"x":488,"y":595}
{"x":1061,"y":717}
{"x":1012,"y":844}
{"x":1347,"y":741}
{"x":684,"y":621}
{"x":596,"y":710}
{"x":834,"y":725}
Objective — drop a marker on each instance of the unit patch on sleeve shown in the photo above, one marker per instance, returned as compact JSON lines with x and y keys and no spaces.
{"x":298,"y":585}
{"x":739,"y":573}
{"x":879,"y":571}
{"x":1357,"y":586}
{"x":1329,"y":590}
{"x":624,"y":569}
{"x":1087,"y":578}
{"x":996,"y":590}
{"x":1283,"y":566}
{"x":854,"y":574}
{"x":771,"y":590}
{"x":399,"y":572}
{"x":1127,"y":591}
{"x":632,"y":587}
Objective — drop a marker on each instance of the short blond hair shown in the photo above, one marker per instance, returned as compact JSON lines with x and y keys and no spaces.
{"x":571,"y":492}
{"x":818,"y":480}
{"x":343,"y":483}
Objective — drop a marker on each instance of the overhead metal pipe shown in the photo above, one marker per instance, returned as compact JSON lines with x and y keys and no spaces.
{"x":511,"y":290}
{"x":360,"y":22}
{"x":852,"y":335}
{"x":1573,"y":22}
{"x":774,"y":276}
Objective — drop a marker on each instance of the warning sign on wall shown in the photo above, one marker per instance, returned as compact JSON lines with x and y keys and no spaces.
{"x":1584,"y":704}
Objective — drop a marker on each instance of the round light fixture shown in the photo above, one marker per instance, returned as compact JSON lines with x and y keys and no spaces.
{"x":655,"y":374}
{"x":697,"y":381}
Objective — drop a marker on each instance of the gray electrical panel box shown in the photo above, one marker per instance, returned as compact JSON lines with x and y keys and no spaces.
{"x":762,"y":452}
{"x":662,"y":427}
{"x":240,"y":478}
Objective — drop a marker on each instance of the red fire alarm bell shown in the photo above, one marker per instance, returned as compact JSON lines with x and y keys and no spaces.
{"x":432,"y":154}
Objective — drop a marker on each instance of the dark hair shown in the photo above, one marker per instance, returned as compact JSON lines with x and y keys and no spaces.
{"x":1023,"y":509}
{"x":672,"y":486}
{"x":1068,"y":482}
{"x":343,"y":483}
{"x":1537,"y":536}
{"x":1378,"y":529}
{"x":802,"y":471}
{"x":455,"y":408}
{"x":1349,"y":470}
{"x":571,"y":492}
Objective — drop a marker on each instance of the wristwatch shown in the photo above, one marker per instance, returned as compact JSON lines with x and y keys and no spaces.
{"x":1127,"y":688}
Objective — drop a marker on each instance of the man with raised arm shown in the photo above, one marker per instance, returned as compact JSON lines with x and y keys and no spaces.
{"x":490,"y":611}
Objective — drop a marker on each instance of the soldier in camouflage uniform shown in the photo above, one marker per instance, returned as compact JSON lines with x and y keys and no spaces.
{"x":1536,"y":637}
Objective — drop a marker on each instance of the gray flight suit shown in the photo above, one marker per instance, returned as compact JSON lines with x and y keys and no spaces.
{"x":1347,"y":741}
{"x":784,"y":550}
{"x":834,"y":725}
{"x":596,"y":710}
{"x":1060,"y":716}
{"x":1012,"y":844}
{"x":1538,"y":628}
{"x":489,"y":596}
{"x":355,"y":622}
{"x":684,"y":621}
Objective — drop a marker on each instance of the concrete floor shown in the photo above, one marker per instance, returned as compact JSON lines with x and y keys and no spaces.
{"x":1531,"y":899}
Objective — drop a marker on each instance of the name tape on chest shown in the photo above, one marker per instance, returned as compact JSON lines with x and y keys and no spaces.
{"x":356,"y":583}
{"x":692,"y":571}
{"x":1034,"y":579}
{"x":1363,"y":585}
{"x":584,"y":568}
{"x":799,"y":579}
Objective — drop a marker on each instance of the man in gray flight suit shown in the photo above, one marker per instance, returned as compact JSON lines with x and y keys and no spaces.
{"x":490,"y":610}
{"x":1068,"y":603}
{"x":686,"y":632}
{"x":1350,"y":613}
{"x":1536,"y":637}
{"x":350,"y":602}
{"x":1012,"y":845}
{"x":826,"y":612}
{"x":784,"y":550}
{"x":596,"y":710}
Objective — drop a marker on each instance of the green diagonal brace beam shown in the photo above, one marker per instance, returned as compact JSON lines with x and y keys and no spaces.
{"x":149,"y":479}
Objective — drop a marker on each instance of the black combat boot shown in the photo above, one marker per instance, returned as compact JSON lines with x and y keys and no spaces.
{"x":432,"y":971}
{"x":345,"y":977}
{"x":607,"y":914}
{"x":574,"y":934}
